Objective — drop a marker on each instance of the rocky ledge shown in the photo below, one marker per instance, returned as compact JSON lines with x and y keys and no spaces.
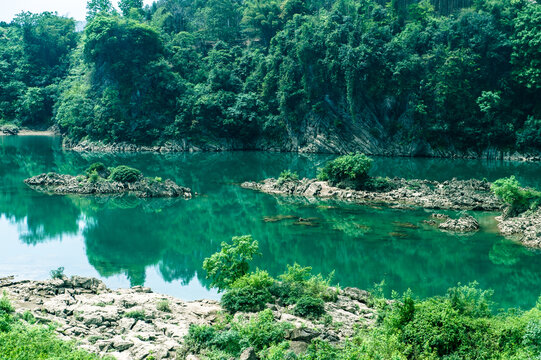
{"x":525,"y":228}
{"x":143,"y":187}
{"x":452,"y":195}
{"x":464,"y":224}
{"x":130,"y":323}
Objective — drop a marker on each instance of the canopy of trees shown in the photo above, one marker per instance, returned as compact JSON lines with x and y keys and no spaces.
{"x":450,"y":72}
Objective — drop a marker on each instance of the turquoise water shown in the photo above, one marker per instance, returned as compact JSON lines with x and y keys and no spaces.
{"x":161,"y":243}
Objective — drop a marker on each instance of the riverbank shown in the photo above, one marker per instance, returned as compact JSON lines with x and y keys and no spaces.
{"x":185,"y":145}
{"x":458,"y":195}
{"x":137,"y":323}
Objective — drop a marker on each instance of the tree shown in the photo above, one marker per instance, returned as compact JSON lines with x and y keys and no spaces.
{"x":96,"y":7}
{"x":231,"y":263}
{"x":127,"y":5}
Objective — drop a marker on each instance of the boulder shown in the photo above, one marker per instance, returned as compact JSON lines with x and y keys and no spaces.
{"x":465,"y":223}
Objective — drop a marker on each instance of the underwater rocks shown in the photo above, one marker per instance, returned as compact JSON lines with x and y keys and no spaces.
{"x":131,"y":324}
{"x":143,"y":187}
{"x":452,"y":195}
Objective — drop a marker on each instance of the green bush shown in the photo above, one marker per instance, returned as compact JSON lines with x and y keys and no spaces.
{"x":231,"y":263}
{"x":98,"y":168}
{"x":125,"y":174}
{"x":310,"y":307}
{"x":58,"y":273}
{"x":246,"y":299}
{"x":136,"y":314}
{"x":249,"y":293}
{"x":163,"y":305}
{"x":346,"y":170}
{"x":286,"y":176}
{"x":517,"y":198}
{"x":93,"y":177}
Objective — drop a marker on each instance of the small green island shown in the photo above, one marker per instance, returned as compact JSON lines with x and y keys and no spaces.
{"x":100,"y":180}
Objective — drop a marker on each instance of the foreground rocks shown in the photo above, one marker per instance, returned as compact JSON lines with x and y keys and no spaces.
{"x":451,"y":195}
{"x":144,"y":187}
{"x":135,"y":324}
{"x":525,"y":228}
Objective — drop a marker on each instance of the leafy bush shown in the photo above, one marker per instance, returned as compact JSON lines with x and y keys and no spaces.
{"x":231,"y":263}
{"x":299,"y":281}
{"x":346,"y":170}
{"x":136,"y":314}
{"x":286,"y":176}
{"x":519,"y":199}
{"x":310,"y":307}
{"x":58,"y":273}
{"x":98,"y":168}
{"x":260,"y":332}
{"x":164,"y":305}
{"x":93,"y":177}
{"x":249,"y":293}
{"x":125,"y":174}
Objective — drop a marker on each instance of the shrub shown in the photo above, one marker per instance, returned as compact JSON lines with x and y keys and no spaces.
{"x":136,"y":314}
{"x":58,"y":273}
{"x":125,"y":174}
{"x":93,"y":177}
{"x":532,"y":335}
{"x":287,"y":175}
{"x":231,"y":263}
{"x":246,"y":299}
{"x":262,"y":331}
{"x":163,"y":305}
{"x":98,"y":168}
{"x":346,"y":170}
{"x":309,"y":306}
{"x":519,"y":199}
{"x":249,"y":293}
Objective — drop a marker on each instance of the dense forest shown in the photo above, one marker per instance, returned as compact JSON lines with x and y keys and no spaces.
{"x":341,"y":75}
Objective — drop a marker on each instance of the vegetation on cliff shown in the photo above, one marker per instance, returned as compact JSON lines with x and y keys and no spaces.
{"x":253,"y":72}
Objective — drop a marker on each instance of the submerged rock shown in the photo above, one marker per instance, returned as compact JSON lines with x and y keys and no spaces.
{"x":143,"y":187}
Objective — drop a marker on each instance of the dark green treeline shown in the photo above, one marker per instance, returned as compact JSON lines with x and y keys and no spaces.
{"x":455,"y":73}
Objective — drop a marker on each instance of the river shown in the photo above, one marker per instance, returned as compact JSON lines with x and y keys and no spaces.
{"x":161,"y":243}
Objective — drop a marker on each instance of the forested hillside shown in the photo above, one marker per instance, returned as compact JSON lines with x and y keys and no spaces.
{"x":399,"y":77}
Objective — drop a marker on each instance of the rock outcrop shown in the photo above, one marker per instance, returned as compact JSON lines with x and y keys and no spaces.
{"x":525,"y":228}
{"x":463,"y":224}
{"x":129,"y":323}
{"x":143,"y":187}
{"x":452,"y":195}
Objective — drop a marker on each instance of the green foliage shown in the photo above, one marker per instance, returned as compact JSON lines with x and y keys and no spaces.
{"x":163,"y":305}
{"x":249,"y":293}
{"x":286,"y":176}
{"x":347,"y":169}
{"x":136,"y":314}
{"x":310,"y":307}
{"x":231,"y":263}
{"x":58,"y":273}
{"x":517,"y":198}
{"x":125,"y":174}
{"x":260,"y":332}
{"x":99,"y":168}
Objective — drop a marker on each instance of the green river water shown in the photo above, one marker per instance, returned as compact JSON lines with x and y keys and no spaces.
{"x":161,"y":243}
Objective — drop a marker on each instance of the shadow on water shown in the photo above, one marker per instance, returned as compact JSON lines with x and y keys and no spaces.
{"x":126,"y":237}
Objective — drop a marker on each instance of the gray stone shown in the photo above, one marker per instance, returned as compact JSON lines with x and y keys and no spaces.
{"x":248,"y":354}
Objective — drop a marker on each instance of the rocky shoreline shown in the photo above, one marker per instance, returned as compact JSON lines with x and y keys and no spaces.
{"x":458,"y":195}
{"x":143,"y":187}
{"x":230,"y":145}
{"x":130,"y":323}
{"x":448,"y":195}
